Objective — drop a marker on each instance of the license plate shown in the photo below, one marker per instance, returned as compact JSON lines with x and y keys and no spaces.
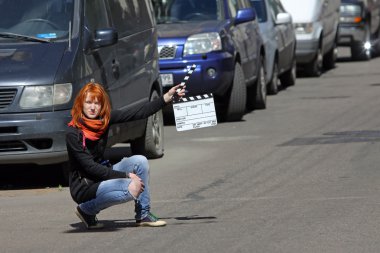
{"x":166,"y":79}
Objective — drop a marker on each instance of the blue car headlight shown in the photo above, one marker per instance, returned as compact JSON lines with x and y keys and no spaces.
{"x":202,"y":43}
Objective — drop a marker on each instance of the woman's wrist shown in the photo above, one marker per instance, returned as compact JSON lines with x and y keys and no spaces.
{"x":167,"y":97}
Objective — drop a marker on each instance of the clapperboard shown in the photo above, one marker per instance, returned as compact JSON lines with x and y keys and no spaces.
{"x":195,"y":111}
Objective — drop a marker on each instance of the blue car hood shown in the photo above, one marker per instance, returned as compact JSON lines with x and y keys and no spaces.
{"x":184,"y":30}
{"x":29,"y":64}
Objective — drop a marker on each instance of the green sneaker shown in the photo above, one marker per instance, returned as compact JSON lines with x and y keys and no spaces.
{"x":150,"y":221}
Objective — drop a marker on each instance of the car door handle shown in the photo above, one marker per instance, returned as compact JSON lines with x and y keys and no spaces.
{"x":115,"y":68}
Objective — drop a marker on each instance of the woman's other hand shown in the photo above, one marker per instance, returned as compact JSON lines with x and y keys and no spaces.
{"x":136,"y":186}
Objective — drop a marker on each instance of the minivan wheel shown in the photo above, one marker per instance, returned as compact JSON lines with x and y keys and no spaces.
{"x":65,"y":170}
{"x":288,"y":78}
{"x":261,"y":88}
{"x":315,"y":67}
{"x":237,"y":97}
{"x":274,"y":84}
{"x":151,"y":143}
{"x":330,"y":58}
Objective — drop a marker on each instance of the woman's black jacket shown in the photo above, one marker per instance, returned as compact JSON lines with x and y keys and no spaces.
{"x":86,"y":172}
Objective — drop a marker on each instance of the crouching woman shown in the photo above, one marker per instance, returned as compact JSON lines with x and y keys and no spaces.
{"x":95,"y":184}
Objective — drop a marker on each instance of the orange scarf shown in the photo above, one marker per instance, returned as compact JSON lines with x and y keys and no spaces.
{"x":91,"y":128}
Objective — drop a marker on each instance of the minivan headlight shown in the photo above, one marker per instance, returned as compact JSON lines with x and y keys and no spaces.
{"x":202,"y":43}
{"x":303,"y":28}
{"x":46,"y":95}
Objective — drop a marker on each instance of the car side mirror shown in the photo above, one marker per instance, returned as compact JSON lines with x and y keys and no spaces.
{"x":245,"y":15}
{"x":283,"y":18}
{"x":104,"y":37}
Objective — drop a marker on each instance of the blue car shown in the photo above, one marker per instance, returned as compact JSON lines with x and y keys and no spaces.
{"x":222,"y":38}
{"x":279,"y":38}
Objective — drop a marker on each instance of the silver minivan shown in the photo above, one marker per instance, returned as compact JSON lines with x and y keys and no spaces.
{"x":316,"y":25}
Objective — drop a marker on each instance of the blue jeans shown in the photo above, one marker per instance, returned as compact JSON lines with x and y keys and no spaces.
{"x":115,"y":191}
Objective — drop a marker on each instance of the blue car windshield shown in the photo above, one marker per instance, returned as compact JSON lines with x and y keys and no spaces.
{"x":260,"y":8}
{"x":180,"y":11}
{"x":40,"y":19}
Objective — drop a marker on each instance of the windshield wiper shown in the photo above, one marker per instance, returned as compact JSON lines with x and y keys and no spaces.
{"x":22,"y":37}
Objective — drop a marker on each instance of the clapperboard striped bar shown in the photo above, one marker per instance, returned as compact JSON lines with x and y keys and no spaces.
{"x":189,"y":72}
{"x":185,"y":79}
{"x":193,"y":98}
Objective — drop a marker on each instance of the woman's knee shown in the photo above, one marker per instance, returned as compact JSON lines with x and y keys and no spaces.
{"x":141,"y":163}
{"x":116,"y":190}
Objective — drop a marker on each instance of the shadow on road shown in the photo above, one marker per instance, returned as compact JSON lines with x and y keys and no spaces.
{"x":109,"y":226}
{"x":115,"y":225}
{"x":29,"y":176}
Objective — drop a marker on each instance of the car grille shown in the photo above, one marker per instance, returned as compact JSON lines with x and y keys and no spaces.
{"x":10,"y":146}
{"x":6,"y":97}
{"x":167,"y":52}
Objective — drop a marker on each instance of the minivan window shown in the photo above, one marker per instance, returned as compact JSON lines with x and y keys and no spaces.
{"x":96,"y":15}
{"x":45,"y":19}
{"x":130,"y":16}
{"x":182,"y":11}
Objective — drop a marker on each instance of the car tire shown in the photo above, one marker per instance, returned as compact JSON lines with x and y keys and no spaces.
{"x":315,"y":67}
{"x":358,"y":53}
{"x":151,"y":143}
{"x":237,"y":96}
{"x":329,"y":59}
{"x":288,"y":78}
{"x":274,"y":82}
{"x":65,"y":170}
{"x":261,"y":87}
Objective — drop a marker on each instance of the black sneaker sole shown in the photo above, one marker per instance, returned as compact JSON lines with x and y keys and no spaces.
{"x":97,"y":226}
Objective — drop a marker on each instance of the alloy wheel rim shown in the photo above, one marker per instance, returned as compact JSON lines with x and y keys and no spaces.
{"x":275,"y":76}
{"x":319,"y":60}
{"x":294,"y":70}
{"x":262,"y":82}
{"x":156,"y":132}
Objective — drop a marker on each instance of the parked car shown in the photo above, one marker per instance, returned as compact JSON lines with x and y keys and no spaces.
{"x":359,"y":27}
{"x":221,"y":37}
{"x":316,"y":24}
{"x":49,"y":49}
{"x":279,"y":38}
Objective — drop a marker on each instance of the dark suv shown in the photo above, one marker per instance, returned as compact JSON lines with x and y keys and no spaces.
{"x":222,"y":38}
{"x":359,"y":27}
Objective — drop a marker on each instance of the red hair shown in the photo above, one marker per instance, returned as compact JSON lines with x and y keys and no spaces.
{"x":96,"y":91}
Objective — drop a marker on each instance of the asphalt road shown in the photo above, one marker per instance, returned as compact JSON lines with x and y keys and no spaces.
{"x":301,"y":176}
